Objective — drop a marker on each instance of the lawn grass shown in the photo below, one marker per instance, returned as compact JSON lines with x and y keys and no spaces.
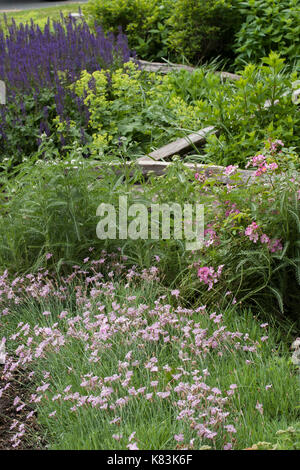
{"x":39,"y":15}
{"x":106,"y":331}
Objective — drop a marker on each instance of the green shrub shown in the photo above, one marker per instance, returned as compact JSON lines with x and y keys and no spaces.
{"x":143,"y":21}
{"x":257,"y":106}
{"x":134,"y":111}
{"x":202,"y":29}
{"x":254,"y":231}
{"x":271,"y":25}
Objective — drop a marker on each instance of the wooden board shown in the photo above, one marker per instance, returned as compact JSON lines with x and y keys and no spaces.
{"x":163,"y":67}
{"x":180,"y":145}
{"x":159,"y":169}
{"x":215,"y":171}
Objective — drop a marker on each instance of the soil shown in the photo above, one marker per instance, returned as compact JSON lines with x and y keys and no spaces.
{"x":32,"y":438}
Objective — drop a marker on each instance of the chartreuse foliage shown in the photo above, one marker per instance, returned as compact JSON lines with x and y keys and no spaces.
{"x":133,"y":111}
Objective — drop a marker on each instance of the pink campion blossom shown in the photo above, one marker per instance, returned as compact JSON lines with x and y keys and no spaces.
{"x":175,"y":293}
{"x":49,"y":255}
{"x":200,"y":177}
{"x":211,"y":237}
{"x":230,"y":170}
{"x":272,"y":166}
{"x":260,"y":161}
{"x":229,"y":428}
{"x":256,"y":160}
{"x":275,"y":245}
{"x":179,"y":437}
{"x":264,"y":238}
{"x":252,"y":232}
{"x":132,"y":446}
{"x":232,"y":209}
{"x":274,"y":145}
{"x":259,"y":408}
{"x":227,"y":446}
{"x":208,"y":275}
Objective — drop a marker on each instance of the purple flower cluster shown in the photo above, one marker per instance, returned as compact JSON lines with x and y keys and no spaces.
{"x":33,"y":60}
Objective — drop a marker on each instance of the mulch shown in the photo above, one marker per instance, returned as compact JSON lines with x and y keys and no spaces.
{"x":32,"y":439}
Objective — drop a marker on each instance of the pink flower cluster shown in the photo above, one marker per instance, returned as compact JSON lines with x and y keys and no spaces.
{"x":261,"y":162}
{"x":253,"y":232}
{"x":102,"y":319}
{"x":231,"y":170}
{"x":263,"y":166}
{"x":209,"y":276}
{"x":210,"y":237}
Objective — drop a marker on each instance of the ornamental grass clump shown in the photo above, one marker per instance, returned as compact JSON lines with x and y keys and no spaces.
{"x":113,"y":361}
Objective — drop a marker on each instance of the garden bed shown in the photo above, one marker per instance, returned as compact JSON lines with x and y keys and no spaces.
{"x":139,"y":341}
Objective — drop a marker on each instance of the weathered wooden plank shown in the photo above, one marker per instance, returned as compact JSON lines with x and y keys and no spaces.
{"x":209,"y":171}
{"x":179,"y":145}
{"x":162,"y":67}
